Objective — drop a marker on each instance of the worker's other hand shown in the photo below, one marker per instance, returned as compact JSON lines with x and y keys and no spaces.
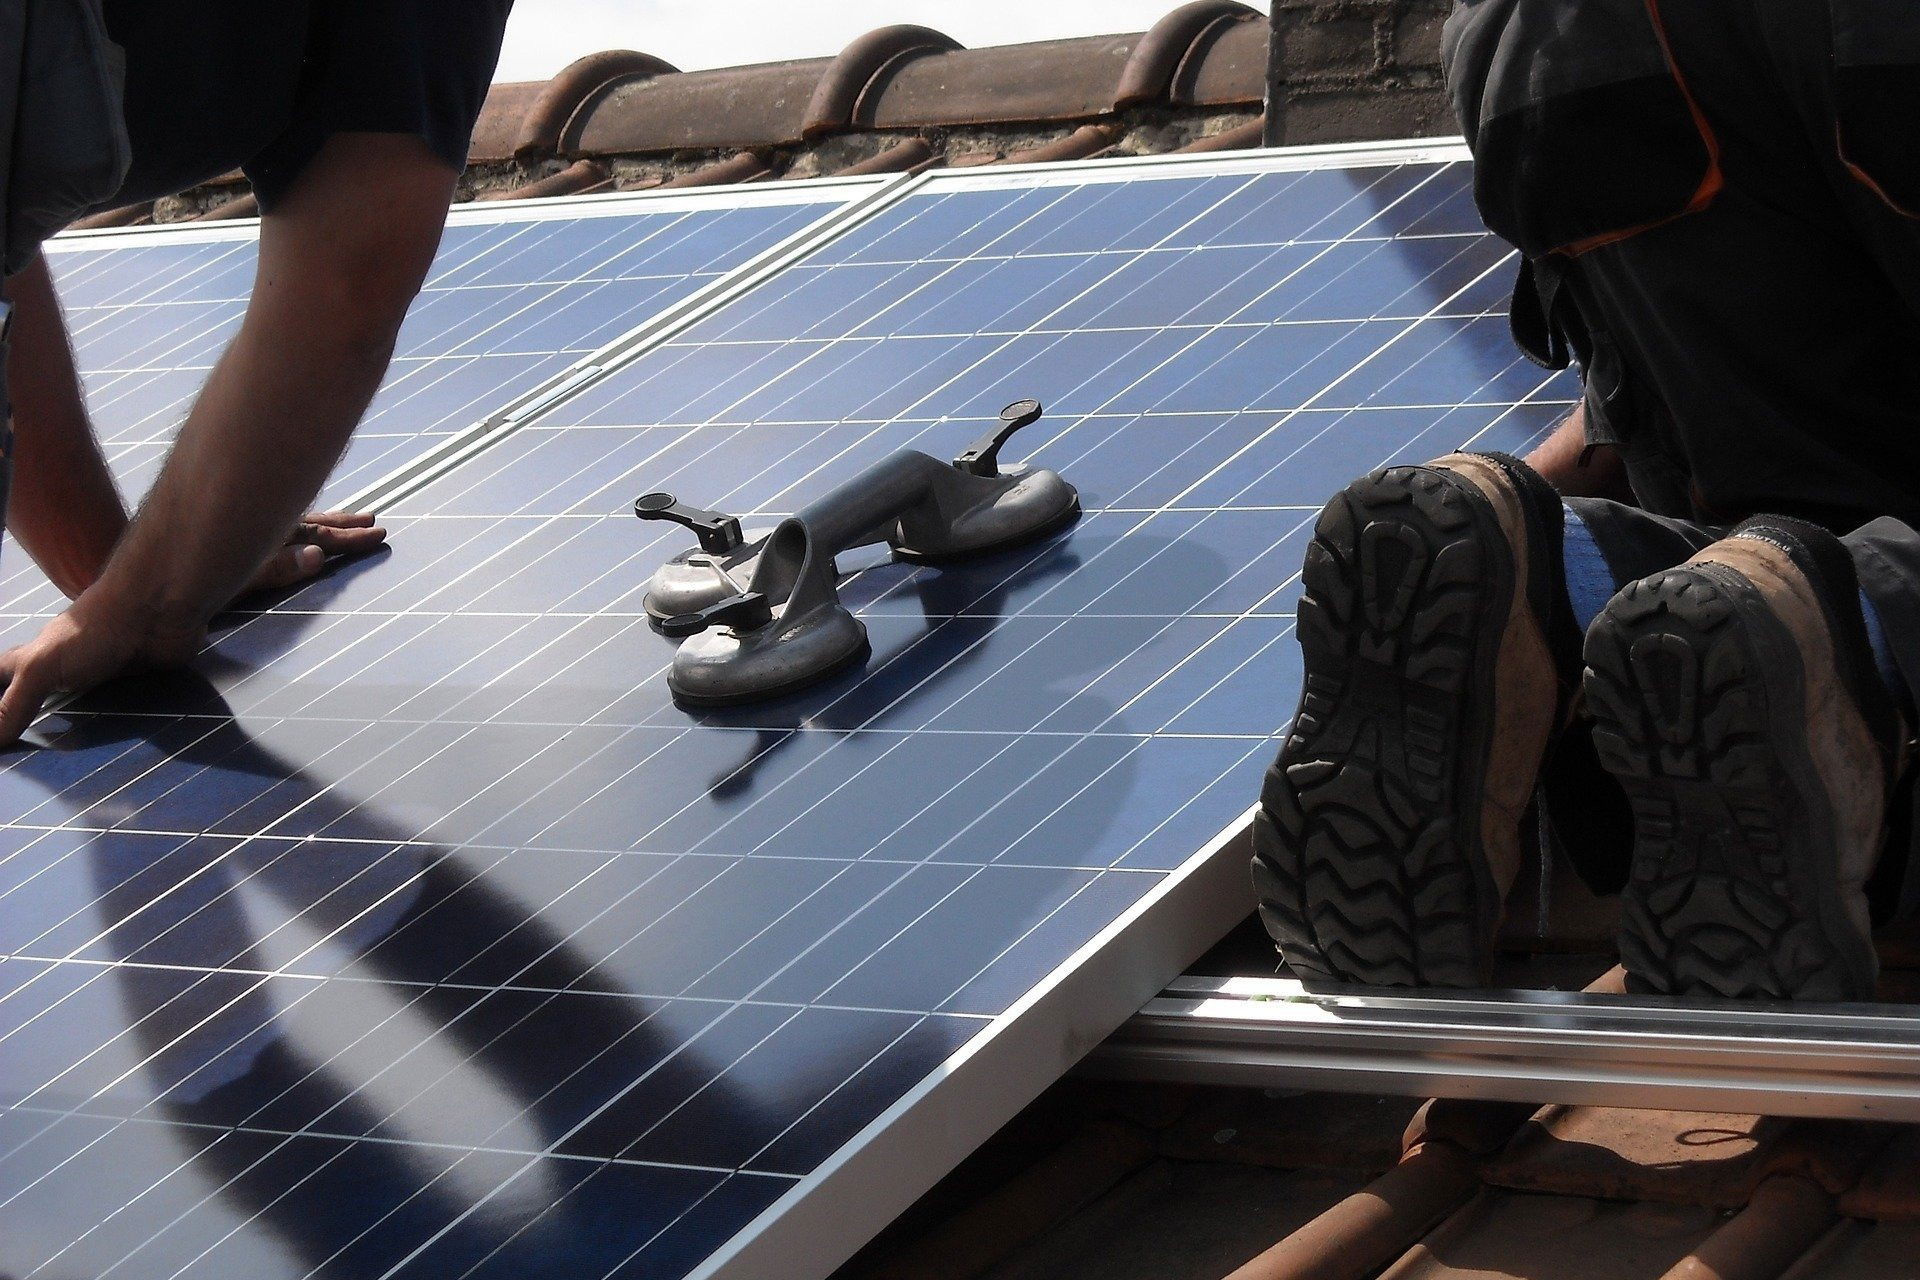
{"x":313,"y":540}
{"x":99,"y":637}
{"x":91,"y":642}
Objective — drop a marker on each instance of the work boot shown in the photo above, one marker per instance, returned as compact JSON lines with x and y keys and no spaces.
{"x":1736,"y":700}
{"x":1389,"y":829}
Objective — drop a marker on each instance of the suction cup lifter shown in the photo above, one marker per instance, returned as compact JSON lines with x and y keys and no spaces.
{"x":761,"y":614}
{"x":717,"y":533}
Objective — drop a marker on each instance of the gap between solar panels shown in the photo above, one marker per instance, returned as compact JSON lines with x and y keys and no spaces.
{"x":213,"y":294}
{"x":861,"y":194}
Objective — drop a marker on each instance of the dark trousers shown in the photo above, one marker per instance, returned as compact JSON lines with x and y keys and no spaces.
{"x":1768,"y":346}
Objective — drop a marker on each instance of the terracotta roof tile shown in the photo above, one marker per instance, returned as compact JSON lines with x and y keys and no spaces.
{"x":1862,"y":1251}
{"x":578,"y":178}
{"x":1890,"y":1187}
{"x":242,"y":206}
{"x":904,"y":98}
{"x":697,"y":110}
{"x":539,"y":129}
{"x":748,"y":166}
{"x":1370,"y":1228}
{"x":869,"y":61}
{"x":1179,"y":41}
{"x":1053,"y":80}
{"x":496,"y":134}
{"x":910,"y":156}
{"x":1833,"y":1154}
{"x":1175,"y":1220}
{"x":1505,"y":1234}
{"x":1787,"y":1215}
{"x":1225,"y":65}
{"x":1638,"y":1155}
{"x":1475,"y":1126}
{"x":1235,"y":139}
{"x":1291,"y":1131}
{"x":1084,"y":143}
{"x":126,"y":216}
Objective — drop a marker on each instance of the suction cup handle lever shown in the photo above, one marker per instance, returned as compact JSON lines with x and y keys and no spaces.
{"x":748,"y":611}
{"x":717,"y":531}
{"x":982,"y":457}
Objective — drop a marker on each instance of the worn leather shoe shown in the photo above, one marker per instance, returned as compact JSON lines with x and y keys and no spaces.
{"x":1390,"y":827}
{"x":1736,"y":701}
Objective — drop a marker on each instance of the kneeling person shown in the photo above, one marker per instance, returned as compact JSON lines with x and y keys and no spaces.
{"x":1698,"y":608}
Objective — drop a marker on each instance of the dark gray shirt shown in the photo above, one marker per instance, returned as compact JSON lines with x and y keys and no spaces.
{"x":259,"y":85}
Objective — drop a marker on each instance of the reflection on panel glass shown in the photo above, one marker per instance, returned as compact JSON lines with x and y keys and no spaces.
{"x":418,"y":933}
{"x":508,"y":304}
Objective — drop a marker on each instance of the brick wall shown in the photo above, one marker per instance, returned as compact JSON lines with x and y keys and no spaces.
{"x":1355,"y":70}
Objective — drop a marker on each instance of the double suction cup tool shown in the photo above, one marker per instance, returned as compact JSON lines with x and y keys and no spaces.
{"x":762,"y":617}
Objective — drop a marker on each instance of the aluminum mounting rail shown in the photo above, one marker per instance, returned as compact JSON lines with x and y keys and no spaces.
{"x":1831,"y":1060}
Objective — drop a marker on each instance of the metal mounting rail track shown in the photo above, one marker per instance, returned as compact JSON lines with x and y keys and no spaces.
{"x":1830,"y":1060}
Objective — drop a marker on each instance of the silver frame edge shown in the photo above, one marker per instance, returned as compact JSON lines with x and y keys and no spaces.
{"x":831,"y":1214}
{"x":1825,"y":1061}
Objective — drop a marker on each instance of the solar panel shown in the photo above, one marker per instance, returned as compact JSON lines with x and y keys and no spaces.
{"x":517,"y":295}
{"x":421,"y":934}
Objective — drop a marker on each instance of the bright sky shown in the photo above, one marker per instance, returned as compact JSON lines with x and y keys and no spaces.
{"x":545,"y":35}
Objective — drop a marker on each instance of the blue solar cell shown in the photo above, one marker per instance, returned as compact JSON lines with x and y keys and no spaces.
{"x":359,"y":1208}
{"x":421,"y":929}
{"x":509,"y":303}
{"x":513,"y":286}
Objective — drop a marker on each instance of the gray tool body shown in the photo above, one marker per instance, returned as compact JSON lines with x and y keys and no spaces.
{"x":762,"y":617}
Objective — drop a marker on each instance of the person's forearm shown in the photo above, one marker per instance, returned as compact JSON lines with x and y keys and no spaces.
{"x":269,"y":426}
{"x":340,"y":261}
{"x":1566,"y":462}
{"x":341,"y":257}
{"x":63,"y":509}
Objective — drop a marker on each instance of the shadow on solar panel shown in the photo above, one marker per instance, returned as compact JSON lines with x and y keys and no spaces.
{"x":425,"y":932}
{"x":553,"y":1050}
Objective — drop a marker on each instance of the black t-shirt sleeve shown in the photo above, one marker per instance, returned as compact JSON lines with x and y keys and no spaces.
{"x":215,"y":85}
{"x":209,"y":83}
{"x":419,"y":67}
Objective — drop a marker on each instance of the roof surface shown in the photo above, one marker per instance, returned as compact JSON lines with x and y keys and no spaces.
{"x":1108,"y":1181}
{"x":904,"y":98}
